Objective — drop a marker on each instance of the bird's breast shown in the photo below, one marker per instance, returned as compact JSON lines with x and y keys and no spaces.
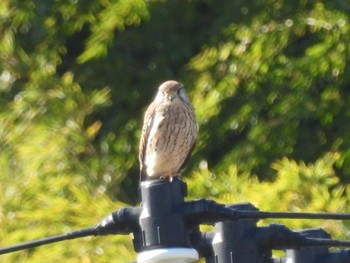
{"x":171,"y":137}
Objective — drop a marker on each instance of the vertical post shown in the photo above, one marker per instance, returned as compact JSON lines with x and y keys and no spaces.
{"x":234,"y":241}
{"x":163,"y":230}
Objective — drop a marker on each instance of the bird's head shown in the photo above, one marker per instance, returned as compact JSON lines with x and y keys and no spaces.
{"x":170,"y":90}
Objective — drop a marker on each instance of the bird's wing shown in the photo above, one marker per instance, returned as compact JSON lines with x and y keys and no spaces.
{"x":194,"y":138}
{"x":188,"y":157}
{"x":147,"y":125}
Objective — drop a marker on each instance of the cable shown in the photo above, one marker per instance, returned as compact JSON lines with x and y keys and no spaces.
{"x":292,"y":215}
{"x":326,"y":242}
{"x":122,"y":221}
{"x":201,"y":210}
{"x":35,"y":243}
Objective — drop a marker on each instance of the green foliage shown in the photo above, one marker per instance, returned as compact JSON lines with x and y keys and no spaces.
{"x":53,"y":177}
{"x":279,"y":86}
{"x":298,"y":187}
{"x":269,"y":81}
{"x":115,"y":16}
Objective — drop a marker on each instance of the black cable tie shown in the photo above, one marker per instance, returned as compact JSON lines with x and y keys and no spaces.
{"x":276,"y":236}
{"x":122,"y":221}
{"x":207,"y":211}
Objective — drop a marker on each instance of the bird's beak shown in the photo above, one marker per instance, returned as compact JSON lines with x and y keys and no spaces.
{"x":172,"y":96}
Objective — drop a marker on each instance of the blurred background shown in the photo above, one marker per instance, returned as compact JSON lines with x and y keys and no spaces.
{"x":270,"y":82}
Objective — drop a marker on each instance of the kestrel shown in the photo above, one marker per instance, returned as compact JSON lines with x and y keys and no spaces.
{"x":169,"y":133}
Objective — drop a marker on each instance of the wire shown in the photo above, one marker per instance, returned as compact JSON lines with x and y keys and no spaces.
{"x":201,"y":210}
{"x":292,"y":215}
{"x":326,"y":242}
{"x":35,"y":243}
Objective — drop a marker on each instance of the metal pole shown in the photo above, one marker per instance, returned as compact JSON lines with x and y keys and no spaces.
{"x":163,"y":228}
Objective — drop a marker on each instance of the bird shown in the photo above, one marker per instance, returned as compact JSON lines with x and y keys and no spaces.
{"x":168,"y":134}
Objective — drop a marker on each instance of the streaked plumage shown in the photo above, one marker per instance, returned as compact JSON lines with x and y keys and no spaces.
{"x":169,"y":133}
